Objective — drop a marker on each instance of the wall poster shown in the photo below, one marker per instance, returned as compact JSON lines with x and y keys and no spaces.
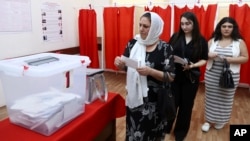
{"x":15,"y":16}
{"x":51,"y":22}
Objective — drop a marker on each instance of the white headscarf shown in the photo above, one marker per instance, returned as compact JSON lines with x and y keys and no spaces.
{"x":155,"y":30}
{"x":137,"y":87}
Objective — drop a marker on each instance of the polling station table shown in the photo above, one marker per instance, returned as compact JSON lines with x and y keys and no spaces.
{"x":91,"y":125}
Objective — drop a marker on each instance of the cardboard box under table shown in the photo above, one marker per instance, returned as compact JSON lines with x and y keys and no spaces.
{"x":44,"y":91}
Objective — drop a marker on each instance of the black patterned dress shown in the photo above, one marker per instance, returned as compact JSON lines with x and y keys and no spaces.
{"x":143,"y":122}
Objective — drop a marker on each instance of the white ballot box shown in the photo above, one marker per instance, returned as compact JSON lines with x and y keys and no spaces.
{"x":44,"y":91}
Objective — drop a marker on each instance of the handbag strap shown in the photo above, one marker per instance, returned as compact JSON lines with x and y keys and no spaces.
{"x":183,"y":51}
{"x":225,"y":65}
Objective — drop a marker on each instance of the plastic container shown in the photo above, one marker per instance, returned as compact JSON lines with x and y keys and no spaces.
{"x":96,"y":86}
{"x":44,"y":91}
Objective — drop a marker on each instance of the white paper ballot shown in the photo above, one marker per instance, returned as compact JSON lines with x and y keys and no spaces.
{"x":131,"y":62}
{"x":180,"y":60}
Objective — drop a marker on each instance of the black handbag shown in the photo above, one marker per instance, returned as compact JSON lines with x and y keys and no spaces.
{"x":226,"y":79}
{"x":166,"y":103}
{"x":193,"y":75}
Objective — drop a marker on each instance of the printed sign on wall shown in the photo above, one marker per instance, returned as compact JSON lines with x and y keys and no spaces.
{"x":51,"y":22}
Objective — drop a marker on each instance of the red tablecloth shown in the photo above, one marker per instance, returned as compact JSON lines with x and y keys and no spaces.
{"x":83,"y":128}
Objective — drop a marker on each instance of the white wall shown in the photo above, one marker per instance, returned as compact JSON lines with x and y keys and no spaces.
{"x":24,"y":43}
{"x":30,"y":42}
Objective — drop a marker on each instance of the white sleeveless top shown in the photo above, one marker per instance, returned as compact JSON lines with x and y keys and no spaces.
{"x":235,"y":50}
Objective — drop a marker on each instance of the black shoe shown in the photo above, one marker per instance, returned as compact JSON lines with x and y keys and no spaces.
{"x":169,"y":126}
{"x":179,"y":139}
{"x":167,"y":129}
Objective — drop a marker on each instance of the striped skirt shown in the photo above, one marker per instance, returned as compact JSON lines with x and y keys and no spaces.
{"x":218,"y":101}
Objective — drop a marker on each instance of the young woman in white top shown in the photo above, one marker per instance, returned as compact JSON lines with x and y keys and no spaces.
{"x":225,"y":43}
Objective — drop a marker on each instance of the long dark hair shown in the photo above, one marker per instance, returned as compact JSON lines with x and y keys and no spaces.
{"x":196,"y":34}
{"x":235,"y":33}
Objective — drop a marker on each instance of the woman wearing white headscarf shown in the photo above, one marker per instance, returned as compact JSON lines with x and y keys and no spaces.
{"x":156,"y":66}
